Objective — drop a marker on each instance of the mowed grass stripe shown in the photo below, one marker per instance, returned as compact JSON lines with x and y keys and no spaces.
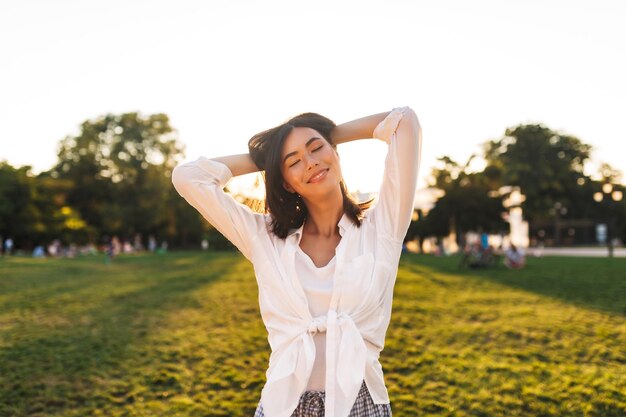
{"x":134,"y":318}
{"x":180,"y":335}
{"x":489,"y":343}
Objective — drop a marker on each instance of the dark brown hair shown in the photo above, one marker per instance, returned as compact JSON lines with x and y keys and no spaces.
{"x":287,"y":209}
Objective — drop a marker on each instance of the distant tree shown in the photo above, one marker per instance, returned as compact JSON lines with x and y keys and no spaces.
{"x":470,"y":201}
{"x":609,"y":174}
{"x":33,"y":209}
{"x":20,"y":218}
{"x":609,"y":210}
{"x":62,"y":221}
{"x":425,"y":226}
{"x":120,"y":167}
{"x":546,"y":165}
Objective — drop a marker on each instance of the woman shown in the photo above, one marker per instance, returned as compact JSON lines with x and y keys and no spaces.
{"x":325,"y":265}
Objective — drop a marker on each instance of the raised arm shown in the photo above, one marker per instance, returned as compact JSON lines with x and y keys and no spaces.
{"x":357,"y":129}
{"x":201,"y":183}
{"x":239,"y":164}
{"x":394,"y":208}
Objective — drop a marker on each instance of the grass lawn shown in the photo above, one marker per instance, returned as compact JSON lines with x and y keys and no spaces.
{"x":180,"y":334}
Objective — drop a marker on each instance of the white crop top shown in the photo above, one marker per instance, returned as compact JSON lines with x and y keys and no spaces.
{"x":317,"y":284}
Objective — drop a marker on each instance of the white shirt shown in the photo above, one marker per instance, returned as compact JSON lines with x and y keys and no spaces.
{"x":317,"y":284}
{"x":365,"y":271}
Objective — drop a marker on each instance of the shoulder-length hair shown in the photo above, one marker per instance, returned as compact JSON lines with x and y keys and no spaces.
{"x":288,"y":210}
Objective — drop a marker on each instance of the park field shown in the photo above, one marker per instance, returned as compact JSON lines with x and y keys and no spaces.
{"x":180,"y":334}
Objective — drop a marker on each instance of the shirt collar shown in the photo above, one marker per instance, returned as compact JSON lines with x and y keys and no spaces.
{"x":344,"y":223}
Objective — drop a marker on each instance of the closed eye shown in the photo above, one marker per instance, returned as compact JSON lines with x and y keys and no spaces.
{"x":314,"y":150}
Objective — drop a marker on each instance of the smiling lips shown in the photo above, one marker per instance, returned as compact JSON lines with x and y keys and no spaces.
{"x":319,"y":176}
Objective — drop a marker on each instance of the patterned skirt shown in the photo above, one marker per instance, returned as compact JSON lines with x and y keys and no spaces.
{"x":312,"y":405}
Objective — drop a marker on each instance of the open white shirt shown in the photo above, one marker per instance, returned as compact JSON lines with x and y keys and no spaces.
{"x":359,"y":311}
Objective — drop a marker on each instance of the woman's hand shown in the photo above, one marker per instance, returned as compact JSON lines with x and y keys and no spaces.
{"x":388,"y":126}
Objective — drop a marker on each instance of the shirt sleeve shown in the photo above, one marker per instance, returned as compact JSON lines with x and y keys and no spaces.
{"x":201,"y":183}
{"x":394,"y":209}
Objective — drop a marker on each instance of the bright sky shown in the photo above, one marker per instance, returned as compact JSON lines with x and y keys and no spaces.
{"x":224,"y":71}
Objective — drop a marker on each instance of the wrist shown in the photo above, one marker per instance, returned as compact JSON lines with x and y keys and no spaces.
{"x":385,"y":129}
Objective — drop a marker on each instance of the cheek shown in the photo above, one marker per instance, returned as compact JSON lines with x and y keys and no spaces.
{"x":290,"y":174}
{"x":328,"y":159}
{"x":337,"y":165}
{"x":289,"y":178}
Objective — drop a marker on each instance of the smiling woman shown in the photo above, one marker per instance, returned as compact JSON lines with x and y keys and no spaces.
{"x":292,"y":154}
{"x":325,"y":264}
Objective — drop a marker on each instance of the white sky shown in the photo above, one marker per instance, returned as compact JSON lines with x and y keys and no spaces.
{"x":224,"y":71}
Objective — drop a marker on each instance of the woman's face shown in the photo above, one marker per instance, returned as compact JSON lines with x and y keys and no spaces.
{"x":306,"y":154}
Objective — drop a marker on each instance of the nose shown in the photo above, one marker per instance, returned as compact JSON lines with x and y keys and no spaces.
{"x":311,"y":162}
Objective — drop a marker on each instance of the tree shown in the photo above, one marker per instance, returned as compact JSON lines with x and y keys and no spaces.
{"x":20,"y":218}
{"x":61,"y":220}
{"x":546,"y":165}
{"x":469,"y":203}
{"x":33,"y":209}
{"x":120,"y":167}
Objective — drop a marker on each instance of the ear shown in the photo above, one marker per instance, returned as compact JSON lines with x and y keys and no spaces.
{"x":288,"y":187}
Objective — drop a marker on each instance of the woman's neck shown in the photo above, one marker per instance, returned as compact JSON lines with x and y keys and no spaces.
{"x":323,"y":217}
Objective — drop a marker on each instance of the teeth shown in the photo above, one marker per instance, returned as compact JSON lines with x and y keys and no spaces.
{"x":317,"y":176}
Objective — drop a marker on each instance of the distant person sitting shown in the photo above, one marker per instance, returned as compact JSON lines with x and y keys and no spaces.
{"x":475,"y":256}
{"x":39,"y":252}
{"x":484,"y":241}
{"x":514,"y":258}
{"x":8,"y":246}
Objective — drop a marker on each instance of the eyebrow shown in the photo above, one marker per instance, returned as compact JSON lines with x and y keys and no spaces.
{"x":295,"y":152}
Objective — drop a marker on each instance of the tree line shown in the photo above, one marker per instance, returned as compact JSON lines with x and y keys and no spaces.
{"x":114,"y":179}
{"x":547,"y":167}
{"x":111,"y":179}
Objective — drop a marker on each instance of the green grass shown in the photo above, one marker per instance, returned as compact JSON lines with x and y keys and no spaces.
{"x":180,"y":335}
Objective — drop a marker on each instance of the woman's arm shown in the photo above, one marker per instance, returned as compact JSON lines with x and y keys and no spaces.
{"x":201,"y":183}
{"x":362,"y":128}
{"x":394,"y":208}
{"x":238,"y":164}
